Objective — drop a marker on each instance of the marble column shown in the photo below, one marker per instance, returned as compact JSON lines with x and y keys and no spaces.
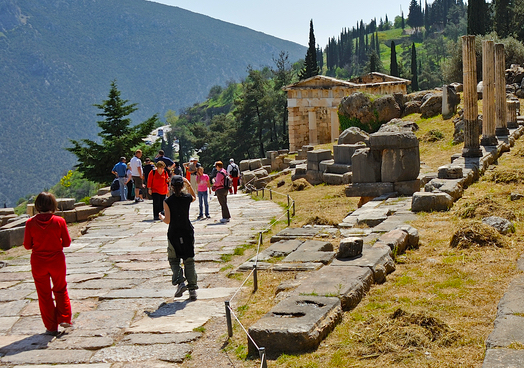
{"x":488,"y":96}
{"x":312,"y":118}
{"x":469,"y":74}
{"x":500,"y":91}
{"x":512,"y":114}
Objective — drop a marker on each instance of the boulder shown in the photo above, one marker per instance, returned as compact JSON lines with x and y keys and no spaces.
{"x":412,"y":107}
{"x":400,"y":125}
{"x":387,"y":108}
{"x":515,"y":74}
{"x":500,"y":224}
{"x":432,"y":106}
{"x":357,"y":106}
{"x":352,"y":135}
{"x":105,"y":200}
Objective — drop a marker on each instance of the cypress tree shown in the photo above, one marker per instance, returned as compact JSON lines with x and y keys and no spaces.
{"x":414,"y":74}
{"x":394,"y":64}
{"x":403,"y":22}
{"x":502,"y":19}
{"x":310,"y":68}
{"x":477,"y":17}
{"x":377,"y":44}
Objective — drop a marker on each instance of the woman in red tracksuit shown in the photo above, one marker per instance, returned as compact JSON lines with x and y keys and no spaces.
{"x":46,"y":235}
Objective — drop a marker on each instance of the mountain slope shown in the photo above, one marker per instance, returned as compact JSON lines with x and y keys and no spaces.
{"x":58,"y":57}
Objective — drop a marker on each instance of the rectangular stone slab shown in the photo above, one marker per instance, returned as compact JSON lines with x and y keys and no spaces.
{"x":306,"y":256}
{"x":377,"y":259}
{"x":348,"y":283}
{"x":295,"y":233}
{"x":508,"y":330}
{"x":297,"y":324}
{"x":283,"y":247}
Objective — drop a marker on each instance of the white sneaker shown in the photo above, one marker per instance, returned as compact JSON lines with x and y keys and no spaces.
{"x":224,"y":220}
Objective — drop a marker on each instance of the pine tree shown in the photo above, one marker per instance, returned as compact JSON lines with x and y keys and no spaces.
{"x":310,"y":68}
{"x":415,"y":18}
{"x":414,"y":73}
{"x":394,"y":64}
{"x":118,"y":138}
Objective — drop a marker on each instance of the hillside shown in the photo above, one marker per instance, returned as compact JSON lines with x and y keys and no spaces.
{"x":57,"y":59}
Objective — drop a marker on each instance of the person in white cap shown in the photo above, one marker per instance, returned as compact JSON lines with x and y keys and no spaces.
{"x":234,"y":173}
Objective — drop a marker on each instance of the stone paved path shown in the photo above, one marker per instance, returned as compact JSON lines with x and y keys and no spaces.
{"x":119,"y":283}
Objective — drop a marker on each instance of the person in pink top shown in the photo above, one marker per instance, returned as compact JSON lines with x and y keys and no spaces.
{"x":203,"y":185}
{"x":46,"y":235}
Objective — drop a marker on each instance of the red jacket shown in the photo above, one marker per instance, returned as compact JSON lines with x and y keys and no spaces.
{"x":157,"y":182}
{"x":46,"y":234}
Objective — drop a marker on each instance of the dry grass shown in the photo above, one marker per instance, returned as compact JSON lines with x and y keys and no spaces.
{"x":438,"y":307}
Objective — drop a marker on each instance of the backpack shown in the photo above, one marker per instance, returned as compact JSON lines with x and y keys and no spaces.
{"x":115,"y":185}
{"x":234,"y":171}
{"x":227,"y":181}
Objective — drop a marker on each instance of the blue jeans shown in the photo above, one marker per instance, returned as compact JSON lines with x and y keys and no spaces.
{"x":123,"y":188}
{"x":202,"y":197}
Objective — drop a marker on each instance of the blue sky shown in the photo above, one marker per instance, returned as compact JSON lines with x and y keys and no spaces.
{"x":289,"y":19}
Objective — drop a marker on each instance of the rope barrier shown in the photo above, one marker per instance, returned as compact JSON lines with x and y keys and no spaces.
{"x":290,"y":205}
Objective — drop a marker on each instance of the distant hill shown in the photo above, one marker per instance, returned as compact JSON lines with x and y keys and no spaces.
{"x":58,"y":57}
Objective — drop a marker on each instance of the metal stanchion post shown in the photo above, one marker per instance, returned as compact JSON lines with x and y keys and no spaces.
{"x":293,"y":208}
{"x":262,"y":355}
{"x":228,"y":319}
{"x":270,"y":194}
{"x":255,"y":278}
{"x":288,"y":218}
{"x":263,"y":192}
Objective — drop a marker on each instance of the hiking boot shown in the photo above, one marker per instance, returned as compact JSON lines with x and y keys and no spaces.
{"x":180,"y":290}
{"x":192,"y":295}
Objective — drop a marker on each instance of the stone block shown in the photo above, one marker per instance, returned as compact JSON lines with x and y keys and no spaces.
{"x":69,"y":216}
{"x":10,"y":238}
{"x":333,"y":179}
{"x":7,"y":219}
{"x":271,"y":154}
{"x":453,"y":187}
{"x":244,"y":165}
{"x":366,"y":165}
{"x":316,"y":156}
{"x":297,"y":324}
{"x":83,"y":213}
{"x":400,"y":164}
{"x":255,"y":164}
{"x":353,"y":135}
{"x":407,"y":188}
{"x":316,"y":245}
{"x":427,"y":202}
{"x":503,"y":358}
{"x":65,"y":204}
{"x":309,"y":256}
{"x":283,"y":248}
{"x":368,"y":189}
{"x":413,"y":237}
{"x":7,"y":211}
{"x":377,"y":259}
{"x":349,"y":284}
{"x":103,"y":191}
{"x":338,"y":168}
{"x":323,"y":165}
{"x":350,"y":247}
{"x":343,"y":152}
{"x":266,"y":161}
{"x":509,"y":329}
{"x":450,"y":172}
{"x":396,"y":240}
{"x":30,"y":210}
{"x":372,"y":217}
{"x":104,"y":200}
{"x":314,"y":177}
{"x":393,"y":140}
{"x":295,"y":233}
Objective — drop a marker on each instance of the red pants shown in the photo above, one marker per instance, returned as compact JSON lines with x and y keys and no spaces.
{"x":234,"y":185}
{"x":45,"y":270}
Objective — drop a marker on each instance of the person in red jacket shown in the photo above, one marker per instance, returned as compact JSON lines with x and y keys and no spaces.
{"x":157,"y":184}
{"x":46,"y":235}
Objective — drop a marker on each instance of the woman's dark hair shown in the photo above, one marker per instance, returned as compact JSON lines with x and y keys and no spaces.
{"x":177,"y":188}
{"x":46,"y":202}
